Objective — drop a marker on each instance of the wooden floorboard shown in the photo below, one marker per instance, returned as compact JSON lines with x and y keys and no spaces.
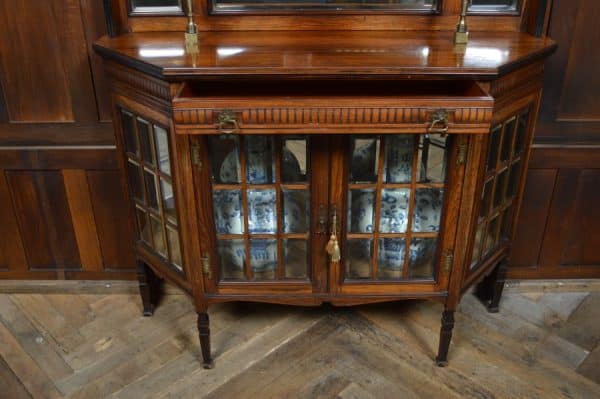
{"x":95,"y":344}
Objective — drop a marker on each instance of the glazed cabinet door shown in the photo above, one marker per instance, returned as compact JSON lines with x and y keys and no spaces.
{"x":262,"y":204}
{"x":396,"y":223}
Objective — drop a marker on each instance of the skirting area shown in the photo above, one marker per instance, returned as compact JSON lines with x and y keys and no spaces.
{"x":543,"y":344}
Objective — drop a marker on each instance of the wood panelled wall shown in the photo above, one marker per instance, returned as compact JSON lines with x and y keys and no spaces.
{"x":558,"y":234}
{"x":62,"y":209}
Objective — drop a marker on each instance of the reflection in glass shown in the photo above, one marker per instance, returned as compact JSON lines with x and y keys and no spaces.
{"x":259,"y":159}
{"x":432,"y":158}
{"x":361,"y":211}
{"x":160,"y":245}
{"x":391,"y":258}
{"x":127,"y":123}
{"x":513,"y":181}
{"x":493,"y":6}
{"x":143,"y":226}
{"x":521,"y":132}
{"x":145,"y":141}
{"x":262,"y":214}
{"x":490,"y":237}
{"x":174,"y":247}
{"x":168,"y":200}
{"x":358,"y":258}
{"x":295,"y":257}
{"x":428,"y":209}
{"x":295,"y":211}
{"x":263,"y":259}
{"x":494,"y":140}
{"x":399,"y":150}
{"x":225,"y":159}
{"x":422,"y":257}
{"x":500,"y":188}
{"x":294,"y":159}
{"x":486,"y":199}
{"x":156,"y":6}
{"x":477,"y":245}
{"x":505,"y":229}
{"x":365,"y":155}
{"x":161,"y":143}
{"x":227,"y":205}
{"x":394,"y":210}
{"x":135,"y":181}
{"x":232,"y":256}
{"x":225,"y":6}
{"x":150,"y":180}
{"x":509,"y":133}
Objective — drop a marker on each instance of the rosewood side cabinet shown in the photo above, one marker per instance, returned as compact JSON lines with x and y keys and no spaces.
{"x":355,"y":164}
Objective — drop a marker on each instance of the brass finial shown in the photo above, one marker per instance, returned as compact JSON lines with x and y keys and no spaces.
{"x":461,"y":36}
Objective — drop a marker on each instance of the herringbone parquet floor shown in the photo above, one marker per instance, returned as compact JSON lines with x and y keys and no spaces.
{"x":543,"y":344}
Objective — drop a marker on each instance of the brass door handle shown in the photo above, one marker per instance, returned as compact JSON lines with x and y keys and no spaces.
{"x":439,"y":122}
{"x":227,"y":122}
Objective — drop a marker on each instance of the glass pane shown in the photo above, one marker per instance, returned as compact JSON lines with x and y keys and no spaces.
{"x":494,"y":141}
{"x":263,"y":259}
{"x":262,"y":213}
{"x":259,"y":156}
{"x":493,"y":6}
{"x":225,"y":159}
{"x":499,"y":194}
{"x":232,"y":254}
{"x":394,"y":210}
{"x":391,"y":258}
{"x":160,"y":245}
{"x":506,"y":227}
{"x":135,"y":181}
{"x":399,"y":151}
{"x":143,"y":226}
{"x":229,"y":217}
{"x":486,"y":199}
{"x":127,"y":123}
{"x":490,"y":237}
{"x":428,"y":209}
{"x":513,"y":181}
{"x":145,"y":141}
{"x":509,"y":133}
{"x":432,"y":158}
{"x":361,"y":211}
{"x":477,"y":245}
{"x":422,"y":257}
{"x":295,"y":211}
{"x":174,"y":247}
{"x":150,"y":180}
{"x":168,"y":200}
{"x":294,"y":159}
{"x":156,"y":6}
{"x":226,"y":6}
{"x":295,"y":258}
{"x":162,"y":149}
{"x":365,"y":153}
{"x":358,"y":258}
{"x":521,"y":132}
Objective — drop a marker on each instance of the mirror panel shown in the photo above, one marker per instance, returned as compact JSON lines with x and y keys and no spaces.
{"x":493,"y":6}
{"x":155,"y":7}
{"x":240,"y":6}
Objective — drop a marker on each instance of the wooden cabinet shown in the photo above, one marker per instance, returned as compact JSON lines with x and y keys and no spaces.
{"x":312,"y":167}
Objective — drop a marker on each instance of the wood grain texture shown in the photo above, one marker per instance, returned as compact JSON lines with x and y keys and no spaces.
{"x":58,"y":345}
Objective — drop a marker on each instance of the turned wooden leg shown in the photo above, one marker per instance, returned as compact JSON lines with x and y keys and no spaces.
{"x":146,"y":281}
{"x":498,"y":287}
{"x":204,"y":332}
{"x":489,"y":291}
{"x":445,"y":337}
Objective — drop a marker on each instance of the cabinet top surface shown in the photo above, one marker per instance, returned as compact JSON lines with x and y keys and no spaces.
{"x":325,"y":53}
